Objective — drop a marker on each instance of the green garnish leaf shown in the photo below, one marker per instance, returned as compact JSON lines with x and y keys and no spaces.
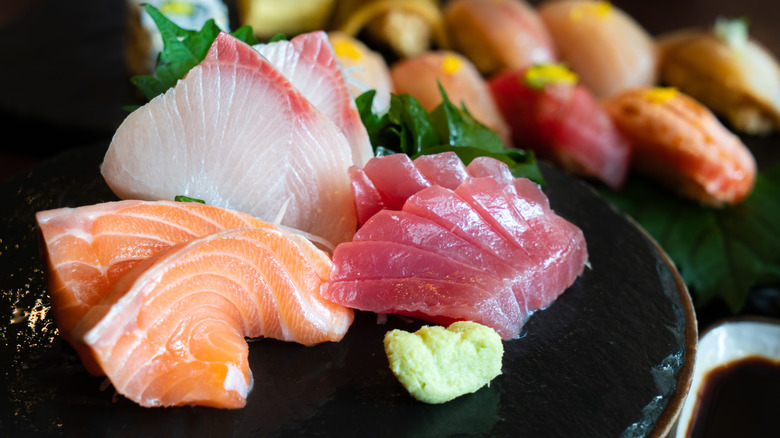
{"x":456,"y":127}
{"x":720,"y":253}
{"x":182,"y":198}
{"x":732,"y":31}
{"x":277,"y":37}
{"x":182,"y":50}
{"x":408,"y":128}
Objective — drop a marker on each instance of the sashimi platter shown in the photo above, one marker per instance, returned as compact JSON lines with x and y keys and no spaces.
{"x":292,"y":237}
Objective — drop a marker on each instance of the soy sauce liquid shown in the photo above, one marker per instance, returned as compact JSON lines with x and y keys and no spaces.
{"x":739,"y":399}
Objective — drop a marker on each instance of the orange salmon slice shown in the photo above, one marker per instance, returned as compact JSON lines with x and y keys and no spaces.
{"x":172,"y":330}
{"x":87,"y":249}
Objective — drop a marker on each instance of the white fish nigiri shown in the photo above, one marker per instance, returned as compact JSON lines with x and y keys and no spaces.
{"x":310,"y":63}
{"x":364,"y":68}
{"x":607,"y":48}
{"x":237,"y":134}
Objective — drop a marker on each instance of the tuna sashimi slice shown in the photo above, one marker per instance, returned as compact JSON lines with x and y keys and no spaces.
{"x":409,"y":229}
{"x":237,"y":134}
{"x":422,"y":282}
{"x":387,"y":181}
{"x":172,"y":330}
{"x":524,"y":250}
{"x":87,"y":249}
{"x":555,"y":247}
{"x":444,"y":169}
{"x":368,"y":201}
{"x":395,"y":178}
{"x":433,"y":300}
{"x":310,"y":63}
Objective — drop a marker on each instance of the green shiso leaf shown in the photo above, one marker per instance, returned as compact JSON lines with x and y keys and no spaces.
{"x":182,"y":198}
{"x":182,"y":50}
{"x":721,"y":253}
{"x":407,"y":128}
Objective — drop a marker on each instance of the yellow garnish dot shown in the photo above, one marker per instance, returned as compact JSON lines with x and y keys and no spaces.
{"x":600,"y":9}
{"x":542,"y":75}
{"x":345,"y":49}
{"x":661,"y":94}
{"x":450,"y":64}
{"x":178,"y":8}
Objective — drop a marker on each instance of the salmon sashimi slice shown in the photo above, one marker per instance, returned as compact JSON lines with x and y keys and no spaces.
{"x":310,"y":63}
{"x":237,"y":134}
{"x":172,"y":330}
{"x":87,"y":249}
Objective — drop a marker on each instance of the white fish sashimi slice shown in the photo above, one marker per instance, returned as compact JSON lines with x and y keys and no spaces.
{"x":237,"y":134}
{"x":310,"y":63}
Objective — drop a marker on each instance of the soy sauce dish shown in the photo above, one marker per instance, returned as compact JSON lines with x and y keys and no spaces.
{"x":736,"y":382}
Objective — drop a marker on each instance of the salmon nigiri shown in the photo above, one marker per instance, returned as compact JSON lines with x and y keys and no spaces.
{"x":421,"y":76}
{"x":310,"y":63}
{"x":89,"y":248}
{"x":237,"y":134}
{"x":499,"y":34}
{"x":172,"y":330}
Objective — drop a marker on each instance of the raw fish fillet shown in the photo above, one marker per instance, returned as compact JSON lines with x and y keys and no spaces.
{"x":489,"y":251}
{"x":237,"y":134}
{"x":87,"y":249}
{"x":386,"y":182}
{"x":172,"y":330}
{"x":310,"y":63}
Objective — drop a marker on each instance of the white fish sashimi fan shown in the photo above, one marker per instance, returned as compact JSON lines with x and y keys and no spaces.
{"x":309,"y":62}
{"x":237,"y":134}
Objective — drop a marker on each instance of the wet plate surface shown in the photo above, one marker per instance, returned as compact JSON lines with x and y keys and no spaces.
{"x":611,"y":357}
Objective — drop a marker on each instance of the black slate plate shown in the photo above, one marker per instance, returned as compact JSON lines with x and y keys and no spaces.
{"x":611,"y":357}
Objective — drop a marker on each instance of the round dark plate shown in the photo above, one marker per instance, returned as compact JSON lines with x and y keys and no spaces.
{"x":611,"y":357}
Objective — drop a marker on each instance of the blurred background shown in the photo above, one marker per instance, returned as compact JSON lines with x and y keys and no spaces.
{"x":64,"y":80}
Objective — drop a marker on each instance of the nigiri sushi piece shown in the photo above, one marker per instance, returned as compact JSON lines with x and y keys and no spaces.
{"x":421,"y":75}
{"x":727,"y":71}
{"x":172,"y":330}
{"x":680,"y":143}
{"x":499,"y":34}
{"x":237,"y":134}
{"x":405,"y":27}
{"x":484,"y":252}
{"x":364,"y":68}
{"x":269,"y":18}
{"x":549,"y":112}
{"x":87,"y":249}
{"x":607,"y":48}
{"x":309,"y":62}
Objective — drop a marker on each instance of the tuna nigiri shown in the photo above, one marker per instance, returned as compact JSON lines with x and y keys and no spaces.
{"x":309,"y":62}
{"x":172,"y":330}
{"x":237,"y":134}
{"x":87,"y":249}
{"x":550,"y":112}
